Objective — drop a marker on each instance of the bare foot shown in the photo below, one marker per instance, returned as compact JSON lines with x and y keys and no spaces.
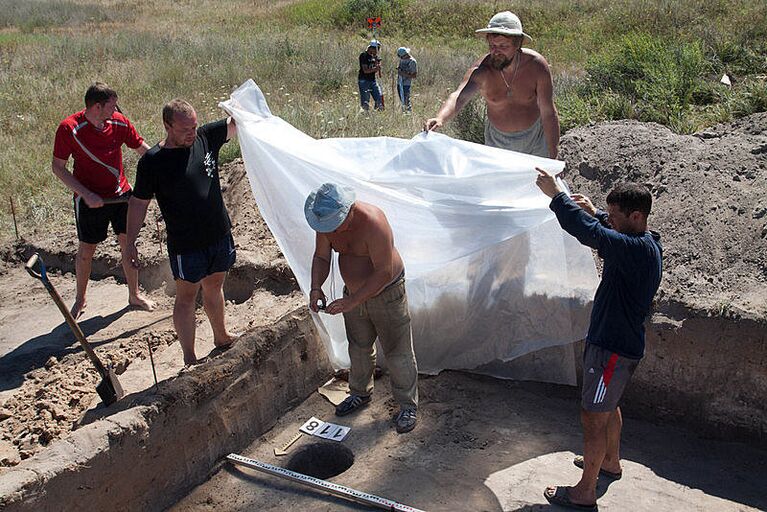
{"x":141,"y":302}
{"x":193,"y":362}
{"x":78,"y":308}
{"x":227,"y":341}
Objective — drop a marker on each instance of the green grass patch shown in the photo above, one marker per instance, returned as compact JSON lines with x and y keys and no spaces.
{"x":659,"y":77}
{"x":657,"y":60}
{"x":28,"y":15}
{"x":672,"y":82}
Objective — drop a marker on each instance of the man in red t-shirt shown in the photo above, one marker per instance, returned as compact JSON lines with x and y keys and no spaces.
{"x":93,"y":138}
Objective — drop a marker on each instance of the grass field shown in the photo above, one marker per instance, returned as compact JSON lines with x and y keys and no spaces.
{"x":654,"y":60}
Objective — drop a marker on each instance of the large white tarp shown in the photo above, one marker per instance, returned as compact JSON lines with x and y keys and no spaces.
{"x":490,"y":275}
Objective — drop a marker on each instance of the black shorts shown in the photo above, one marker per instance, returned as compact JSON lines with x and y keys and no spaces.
{"x":92,"y":223}
{"x":605,"y":375}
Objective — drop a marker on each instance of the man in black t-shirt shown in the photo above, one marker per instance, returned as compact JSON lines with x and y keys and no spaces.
{"x":370,"y":65}
{"x":182,"y":173}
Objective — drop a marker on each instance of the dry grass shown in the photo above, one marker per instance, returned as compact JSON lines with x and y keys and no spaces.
{"x":152,"y":51}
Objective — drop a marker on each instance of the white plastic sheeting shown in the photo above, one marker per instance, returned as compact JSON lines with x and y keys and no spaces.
{"x":490,"y":275}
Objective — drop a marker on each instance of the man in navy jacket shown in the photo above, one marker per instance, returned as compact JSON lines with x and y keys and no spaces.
{"x":615,"y":342}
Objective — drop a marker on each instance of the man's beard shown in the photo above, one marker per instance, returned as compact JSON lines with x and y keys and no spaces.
{"x":499,"y":61}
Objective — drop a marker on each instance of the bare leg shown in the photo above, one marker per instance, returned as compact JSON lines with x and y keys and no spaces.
{"x":183,"y":317}
{"x":83,"y":262}
{"x":131,"y":277}
{"x":612,"y":460}
{"x":213,"y":302}
{"x":594,"y":449}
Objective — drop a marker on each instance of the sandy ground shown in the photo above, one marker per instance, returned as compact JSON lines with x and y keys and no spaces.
{"x":46,"y":381}
{"x":491,"y":444}
{"x":488,"y":445}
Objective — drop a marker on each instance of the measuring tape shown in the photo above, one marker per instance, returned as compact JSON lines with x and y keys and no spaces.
{"x":283,"y":450}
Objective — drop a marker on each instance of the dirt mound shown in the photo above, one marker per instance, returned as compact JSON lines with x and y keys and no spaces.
{"x":710,"y":192}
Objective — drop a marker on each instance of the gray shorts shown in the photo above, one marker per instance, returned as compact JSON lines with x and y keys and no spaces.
{"x":531,"y":140}
{"x":605,"y":375}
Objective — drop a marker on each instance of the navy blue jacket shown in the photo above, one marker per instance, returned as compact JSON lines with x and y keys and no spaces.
{"x":631,"y":276}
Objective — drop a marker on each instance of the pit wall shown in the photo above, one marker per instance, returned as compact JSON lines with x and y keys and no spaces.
{"x":706,"y":373}
{"x":153,"y":448}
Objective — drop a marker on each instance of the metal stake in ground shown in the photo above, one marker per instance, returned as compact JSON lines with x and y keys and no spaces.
{"x":322,"y":485}
{"x":151,"y":359}
{"x":13,"y":214}
{"x":374,"y":24}
{"x":109,"y":389}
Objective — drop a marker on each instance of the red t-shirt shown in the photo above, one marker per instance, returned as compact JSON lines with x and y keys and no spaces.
{"x":97,"y":153}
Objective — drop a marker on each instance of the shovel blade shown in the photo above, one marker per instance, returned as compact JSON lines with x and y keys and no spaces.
{"x":109,"y":389}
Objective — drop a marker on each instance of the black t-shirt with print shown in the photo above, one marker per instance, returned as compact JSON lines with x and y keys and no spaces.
{"x":186,"y":184}
{"x":366,"y":60}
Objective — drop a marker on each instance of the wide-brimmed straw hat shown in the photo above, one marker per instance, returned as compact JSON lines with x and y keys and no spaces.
{"x":327,"y":207}
{"x":505,"y":23}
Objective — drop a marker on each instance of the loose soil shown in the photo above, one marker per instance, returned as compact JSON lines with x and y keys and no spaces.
{"x":46,"y":381}
{"x":710,"y":193}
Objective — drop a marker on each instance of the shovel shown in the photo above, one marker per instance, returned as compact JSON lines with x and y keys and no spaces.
{"x":109,"y":389}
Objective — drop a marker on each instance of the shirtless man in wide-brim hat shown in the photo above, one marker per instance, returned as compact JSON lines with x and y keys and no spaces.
{"x":517,"y":86}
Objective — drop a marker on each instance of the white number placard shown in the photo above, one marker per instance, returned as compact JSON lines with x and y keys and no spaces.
{"x":312,"y":426}
{"x":333,"y":432}
{"x":319,"y":428}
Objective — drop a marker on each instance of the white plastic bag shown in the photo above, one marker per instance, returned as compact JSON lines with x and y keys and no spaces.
{"x":490,"y":275}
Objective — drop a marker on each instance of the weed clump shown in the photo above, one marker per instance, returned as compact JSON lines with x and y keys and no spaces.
{"x":660,"y":77}
{"x":671,"y":82}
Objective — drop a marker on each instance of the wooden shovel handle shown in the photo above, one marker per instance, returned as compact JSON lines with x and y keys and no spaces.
{"x":36,"y":269}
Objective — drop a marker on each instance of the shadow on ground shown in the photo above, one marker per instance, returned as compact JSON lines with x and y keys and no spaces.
{"x":60,"y":342}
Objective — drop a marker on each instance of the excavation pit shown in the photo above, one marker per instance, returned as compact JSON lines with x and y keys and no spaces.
{"x":480,"y":444}
{"x":323,"y":459}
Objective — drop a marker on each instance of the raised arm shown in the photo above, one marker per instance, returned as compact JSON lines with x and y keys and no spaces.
{"x":231,"y":128}
{"x":579,"y":218}
{"x":457,"y":99}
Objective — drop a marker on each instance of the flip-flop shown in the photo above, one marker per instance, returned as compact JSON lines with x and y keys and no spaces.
{"x":561,"y":497}
{"x":578,"y":462}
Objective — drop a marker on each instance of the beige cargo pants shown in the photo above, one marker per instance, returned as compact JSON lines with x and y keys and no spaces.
{"x":387,"y":318}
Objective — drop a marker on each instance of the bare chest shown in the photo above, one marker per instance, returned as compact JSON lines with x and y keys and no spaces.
{"x":345,"y":244}
{"x":510,"y":86}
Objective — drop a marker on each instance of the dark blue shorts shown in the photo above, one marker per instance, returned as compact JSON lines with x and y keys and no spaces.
{"x":195,"y":265}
